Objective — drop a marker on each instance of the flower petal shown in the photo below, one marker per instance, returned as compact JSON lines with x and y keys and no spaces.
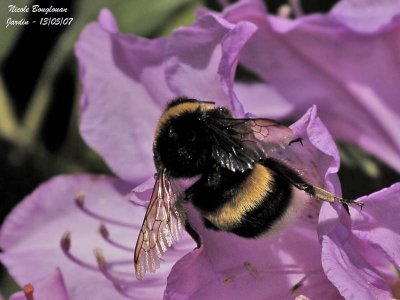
{"x":321,"y":59}
{"x":349,"y":271}
{"x":366,"y":15}
{"x":250,"y":95}
{"x":319,"y":156}
{"x":30,"y":238}
{"x":270,"y":267}
{"x":202,"y":59}
{"x":237,"y":268}
{"x":52,"y":287}
{"x":124,"y":91}
{"x":378,"y":222}
{"x":351,"y":264}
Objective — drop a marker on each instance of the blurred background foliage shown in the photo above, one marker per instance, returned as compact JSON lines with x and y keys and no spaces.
{"x":39,"y":95}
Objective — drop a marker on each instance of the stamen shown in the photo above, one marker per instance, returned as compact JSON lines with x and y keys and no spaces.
{"x":80,"y":199}
{"x":114,"y":270}
{"x":106,"y":236}
{"x":103,"y":267}
{"x":101,"y":261}
{"x":28,"y":291}
{"x":65,"y":244}
{"x":66,"y":241}
{"x":80,"y":203}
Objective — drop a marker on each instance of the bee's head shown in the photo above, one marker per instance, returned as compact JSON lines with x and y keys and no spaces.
{"x":183,"y":144}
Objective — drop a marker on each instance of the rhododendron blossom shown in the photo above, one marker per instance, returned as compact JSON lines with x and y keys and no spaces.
{"x":85,"y":226}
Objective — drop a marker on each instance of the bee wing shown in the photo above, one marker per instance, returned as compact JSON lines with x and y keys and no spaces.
{"x":240,"y":142}
{"x":266,"y":134}
{"x":162,"y":225}
{"x":272,"y":135}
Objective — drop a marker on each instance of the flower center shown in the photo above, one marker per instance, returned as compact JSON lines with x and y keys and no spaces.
{"x":113,"y":270}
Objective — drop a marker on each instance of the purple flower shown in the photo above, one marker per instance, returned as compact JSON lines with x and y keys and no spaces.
{"x":50,"y":287}
{"x":345,"y":62}
{"x":86,"y":225}
{"x":357,"y":257}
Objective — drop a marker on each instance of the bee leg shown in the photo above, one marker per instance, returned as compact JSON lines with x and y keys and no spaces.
{"x":193,"y":233}
{"x":346,"y":208}
{"x":321,"y":194}
{"x":298,"y":182}
{"x":298,"y":140}
{"x":304,"y":187}
{"x":309,"y":189}
{"x":324,"y":195}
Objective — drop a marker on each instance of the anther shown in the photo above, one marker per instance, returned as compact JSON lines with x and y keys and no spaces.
{"x":28,"y":291}
{"x":80,"y":203}
{"x":65,"y":244}
{"x":104,"y":269}
{"x":103,"y":231}
{"x":66,"y":241}
{"x":106,"y":236}
{"x":101,"y":261}
{"x":80,"y":199}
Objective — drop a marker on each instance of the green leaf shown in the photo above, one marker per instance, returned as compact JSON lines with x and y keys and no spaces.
{"x":185,"y":16}
{"x":8,"y":121}
{"x":143,"y":17}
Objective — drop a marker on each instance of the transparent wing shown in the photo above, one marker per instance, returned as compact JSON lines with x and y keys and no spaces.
{"x":273,"y":139}
{"x":240,"y":142}
{"x":267,"y":134}
{"x":162,"y":225}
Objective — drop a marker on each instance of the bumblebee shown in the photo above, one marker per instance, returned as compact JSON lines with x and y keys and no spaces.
{"x":244,"y":185}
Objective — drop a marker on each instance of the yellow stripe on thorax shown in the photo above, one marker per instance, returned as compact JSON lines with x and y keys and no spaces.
{"x":179,"y":109}
{"x":251,"y":194}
